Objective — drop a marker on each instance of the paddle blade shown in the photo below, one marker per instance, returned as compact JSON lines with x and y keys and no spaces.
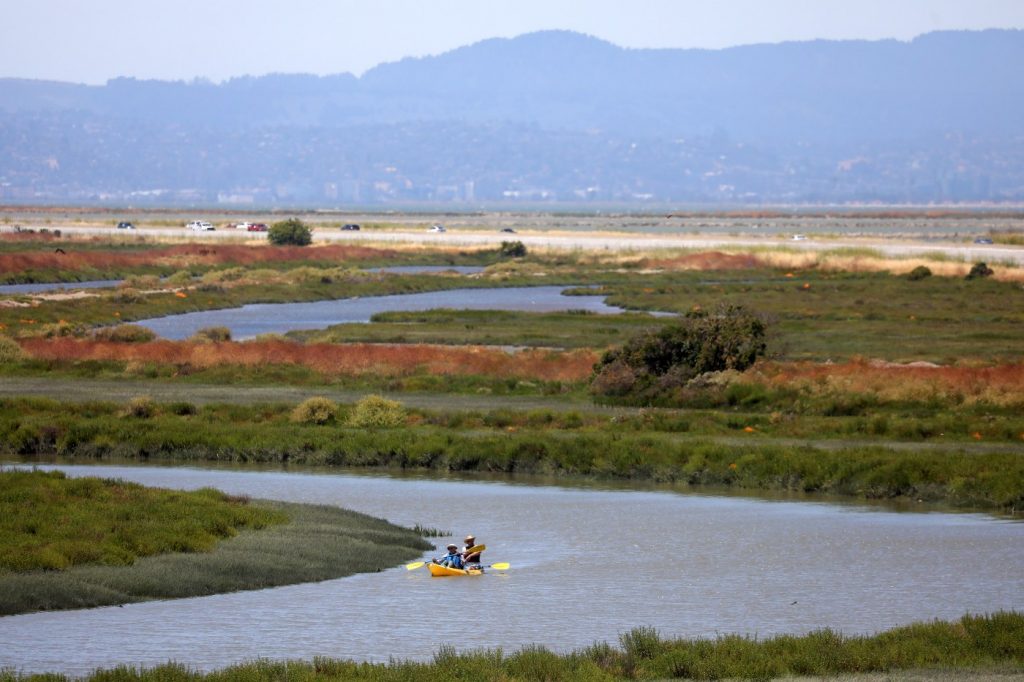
{"x":413,"y":566}
{"x":475,"y":548}
{"x":501,"y":567}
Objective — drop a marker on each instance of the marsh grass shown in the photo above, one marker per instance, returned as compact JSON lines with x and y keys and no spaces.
{"x":683,"y":448}
{"x":315,"y":543}
{"x":51,"y":522}
{"x":974,"y":647}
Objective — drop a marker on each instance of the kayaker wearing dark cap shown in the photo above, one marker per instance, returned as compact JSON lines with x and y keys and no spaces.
{"x":470,"y":557}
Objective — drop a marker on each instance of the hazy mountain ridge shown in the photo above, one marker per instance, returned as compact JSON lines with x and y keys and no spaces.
{"x":551,"y":116}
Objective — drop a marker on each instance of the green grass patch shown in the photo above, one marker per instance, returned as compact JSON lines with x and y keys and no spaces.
{"x":572,"y":329}
{"x":972,"y":645}
{"x":678,"y":448}
{"x":49,"y":521}
{"x":315,"y":543}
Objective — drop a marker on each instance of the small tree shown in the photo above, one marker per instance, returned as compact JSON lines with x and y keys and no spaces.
{"x":291,"y":232}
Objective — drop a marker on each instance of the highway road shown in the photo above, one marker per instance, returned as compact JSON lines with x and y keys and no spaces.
{"x":589,"y":241}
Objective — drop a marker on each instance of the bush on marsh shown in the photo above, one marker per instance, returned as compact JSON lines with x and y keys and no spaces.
{"x":141,"y":407}
{"x":375,"y":411}
{"x":980,"y":270}
{"x":291,"y":232}
{"x":125,"y":333}
{"x":919,"y":273}
{"x":10,"y":350}
{"x":211,"y":335}
{"x":317,"y":410}
{"x":514,"y":249}
{"x":654,"y":364}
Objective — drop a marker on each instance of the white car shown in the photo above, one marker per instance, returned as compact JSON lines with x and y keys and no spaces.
{"x":243,"y":226}
{"x":437,"y":228}
{"x":799,"y":237}
{"x":200,"y":226}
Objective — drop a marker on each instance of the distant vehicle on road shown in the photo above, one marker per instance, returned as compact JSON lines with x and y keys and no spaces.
{"x":437,"y":228}
{"x":243,"y":226}
{"x":983,"y":240}
{"x":350,"y":226}
{"x":125,"y":225}
{"x":200,"y":226}
{"x":508,"y":229}
{"x":258,"y":227}
{"x":799,"y":237}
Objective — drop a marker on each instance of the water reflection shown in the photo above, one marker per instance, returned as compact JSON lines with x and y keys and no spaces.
{"x":587,"y":565}
{"x":279,"y":318}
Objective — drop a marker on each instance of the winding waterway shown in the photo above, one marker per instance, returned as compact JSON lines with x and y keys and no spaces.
{"x":587,"y":564}
{"x":278,"y":318}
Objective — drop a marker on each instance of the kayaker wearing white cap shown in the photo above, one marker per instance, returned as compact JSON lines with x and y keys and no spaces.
{"x":470,"y":557}
{"x":453,"y":559}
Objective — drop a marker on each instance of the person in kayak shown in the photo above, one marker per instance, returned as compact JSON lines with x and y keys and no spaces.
{"x":470,"y":557}
{"x":453,"y":559}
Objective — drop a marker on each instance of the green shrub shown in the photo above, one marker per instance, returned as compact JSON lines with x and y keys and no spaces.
{"x":182,"y":408}
{"x":211,"y":335}
{"x":291,"y":232}
{"x":141,"y":407}
{"x":980,"y":270}
{"x":512,"y":250}
{"x":316,"y":410}
{"x":663,"y":360}
{"x":125,"y":333}
{"x":373,"y":411}
{"x":10,"y":351}
{"x":918,"y":273}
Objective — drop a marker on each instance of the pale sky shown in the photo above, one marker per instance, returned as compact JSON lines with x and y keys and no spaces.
{"x":90,"y":41}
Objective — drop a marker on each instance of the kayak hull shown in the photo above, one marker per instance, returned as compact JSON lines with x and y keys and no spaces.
{"x":439,"y":571}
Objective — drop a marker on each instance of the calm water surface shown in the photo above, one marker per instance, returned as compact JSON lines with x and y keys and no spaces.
{"x":17,"y":289}
{"x":278,"y":318}
{"x":586,"y":565}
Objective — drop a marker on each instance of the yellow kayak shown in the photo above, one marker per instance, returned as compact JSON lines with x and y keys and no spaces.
{"x":437,"y":570}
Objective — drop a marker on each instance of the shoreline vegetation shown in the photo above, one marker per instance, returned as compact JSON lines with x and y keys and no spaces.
{"x":70,"y":543}
{"x":678,"y":447}
{"x":971,"y":646}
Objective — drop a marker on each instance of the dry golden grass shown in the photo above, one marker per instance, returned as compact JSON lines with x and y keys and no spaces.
{"x":331,"y":359}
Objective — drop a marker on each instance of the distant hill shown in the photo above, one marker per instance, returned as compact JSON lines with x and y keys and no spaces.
{"x":548,"y":116}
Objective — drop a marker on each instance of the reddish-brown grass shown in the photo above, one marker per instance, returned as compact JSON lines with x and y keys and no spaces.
{"x":998,"y":384}
{"x":332,"y":359}
{"x":185,"y":255}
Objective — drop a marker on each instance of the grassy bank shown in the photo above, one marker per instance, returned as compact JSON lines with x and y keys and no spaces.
{"x":646,"y":446}
{"x":296,"y":543}
{"x":971,"y":645}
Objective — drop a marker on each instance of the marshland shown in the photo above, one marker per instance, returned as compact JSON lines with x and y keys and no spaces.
{"x":877,"y":383}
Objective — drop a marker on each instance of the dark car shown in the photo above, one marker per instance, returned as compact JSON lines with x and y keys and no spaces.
{"x":508,"y":229}
{"x":982,"y":240}
{"x":124,"y":225}
{"x":257,"y":227}
{"x":350,"y":226}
